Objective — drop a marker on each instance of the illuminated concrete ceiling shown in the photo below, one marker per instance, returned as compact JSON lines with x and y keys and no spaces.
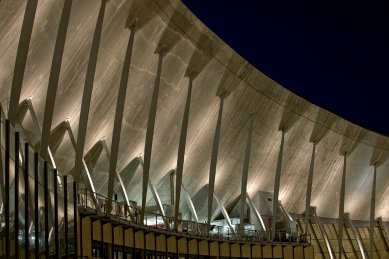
{"x":190,"y":46}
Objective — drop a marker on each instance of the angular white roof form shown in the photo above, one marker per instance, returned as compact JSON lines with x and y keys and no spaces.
{"x":191,"y":49}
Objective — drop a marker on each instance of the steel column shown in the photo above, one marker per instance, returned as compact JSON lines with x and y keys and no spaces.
{"x":150,"y":135}
{"x":75,"y":214}
{"x":2,"y":173}
{"x":65,"y":216}
{"x":372,"y":212}
{"x":277,"y":185}
{"x":245,"y":173}
{"x":46,"y":202}
{"x":181,"y":153}
{"x":341,"y":208}
{"x":212,"y":170}
{"x":117,"y":127}
{"x":26,"y":202}
{"x":56,"y":226}
{"x":309,"y":187}
{"x":16,"y":181}
{"x":87,"y":93}
{"x":21,"y":59}
{"x":7,"y":186}
{"x":36,"y":202}
{"x":54,"y":77}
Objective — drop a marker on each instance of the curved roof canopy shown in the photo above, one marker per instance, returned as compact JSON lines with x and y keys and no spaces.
{"x":170,"y":42}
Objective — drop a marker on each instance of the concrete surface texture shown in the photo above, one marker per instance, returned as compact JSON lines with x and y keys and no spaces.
{"x":190,"y":49}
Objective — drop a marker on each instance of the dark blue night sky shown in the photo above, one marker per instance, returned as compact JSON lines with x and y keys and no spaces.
{"x":334,"y":54}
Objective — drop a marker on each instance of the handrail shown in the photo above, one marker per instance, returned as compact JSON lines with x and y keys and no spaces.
{"x":121,"y":211}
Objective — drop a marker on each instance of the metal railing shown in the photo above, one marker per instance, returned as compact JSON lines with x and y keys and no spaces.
{"x":131,"y":214}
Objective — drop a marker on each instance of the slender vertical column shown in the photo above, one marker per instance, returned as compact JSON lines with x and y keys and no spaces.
{"x":113,"y":241}
{"x":54,"y":77}
{"x":46,"y":201}
{"x":16,"y":181}
{"x":36,"y":202}
{"x":102,"y":238}
{"x":81,"y":237}
{"x":2,"y":172}
{"x":7,"y":186}
{"x":75,"y":212}
{"x":341,"y":208}
{"x":87,"y":94}
{"x":26,"y":202}
{"x":65,"y":214}
{"x":21,"y":59}
{"x":181,"y":153}
{"x":245,"y":173}
{"x":150,"y":135}
{"x":117,"y":127}
{"x":309,"y":188}
{"x":277,"y":186}
{"x":56,"y":226}
{"x":372,"y":212}
{"x":212,"y":170}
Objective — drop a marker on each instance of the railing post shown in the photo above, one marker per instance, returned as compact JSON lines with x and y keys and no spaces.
{"x":56,"y":232}
{"x":26,"y":202}
{"x":7,"y":186}
{"x":46,"y":202}
{"x":75,"y":219}
{"x":16,"y":198}
{"x":36,"y":201}
{"x":65,"y":206}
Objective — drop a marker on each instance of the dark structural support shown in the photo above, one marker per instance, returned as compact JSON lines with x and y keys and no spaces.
{"x":16,"y":197}
{"x":54,"y":77}
{"x":2,"y":188}
{"x":341,"y":208}
{"x":65,"y":215}
{"x":372,"y":212}
{"x":181,"y":153}
{"x":56,"y":225}
{"x":277,"y":186}
{"x":309,"y":188}
{"x":81,"y":238}
{"x":21,"y":59}
{"x":36,"y":202}
{"x":212,"y":170}
{"x":7,"y":205}
{"x":150,"y":133}
{"x":245,"y":174}
{"x":26,"y":202}
{"x":102,"y":238}
{"x":113,"y":241}
{"x":87,"y":93}
{"x":117,"y":127}
{"x":75,"y":212}
{"x":46,"y":202}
